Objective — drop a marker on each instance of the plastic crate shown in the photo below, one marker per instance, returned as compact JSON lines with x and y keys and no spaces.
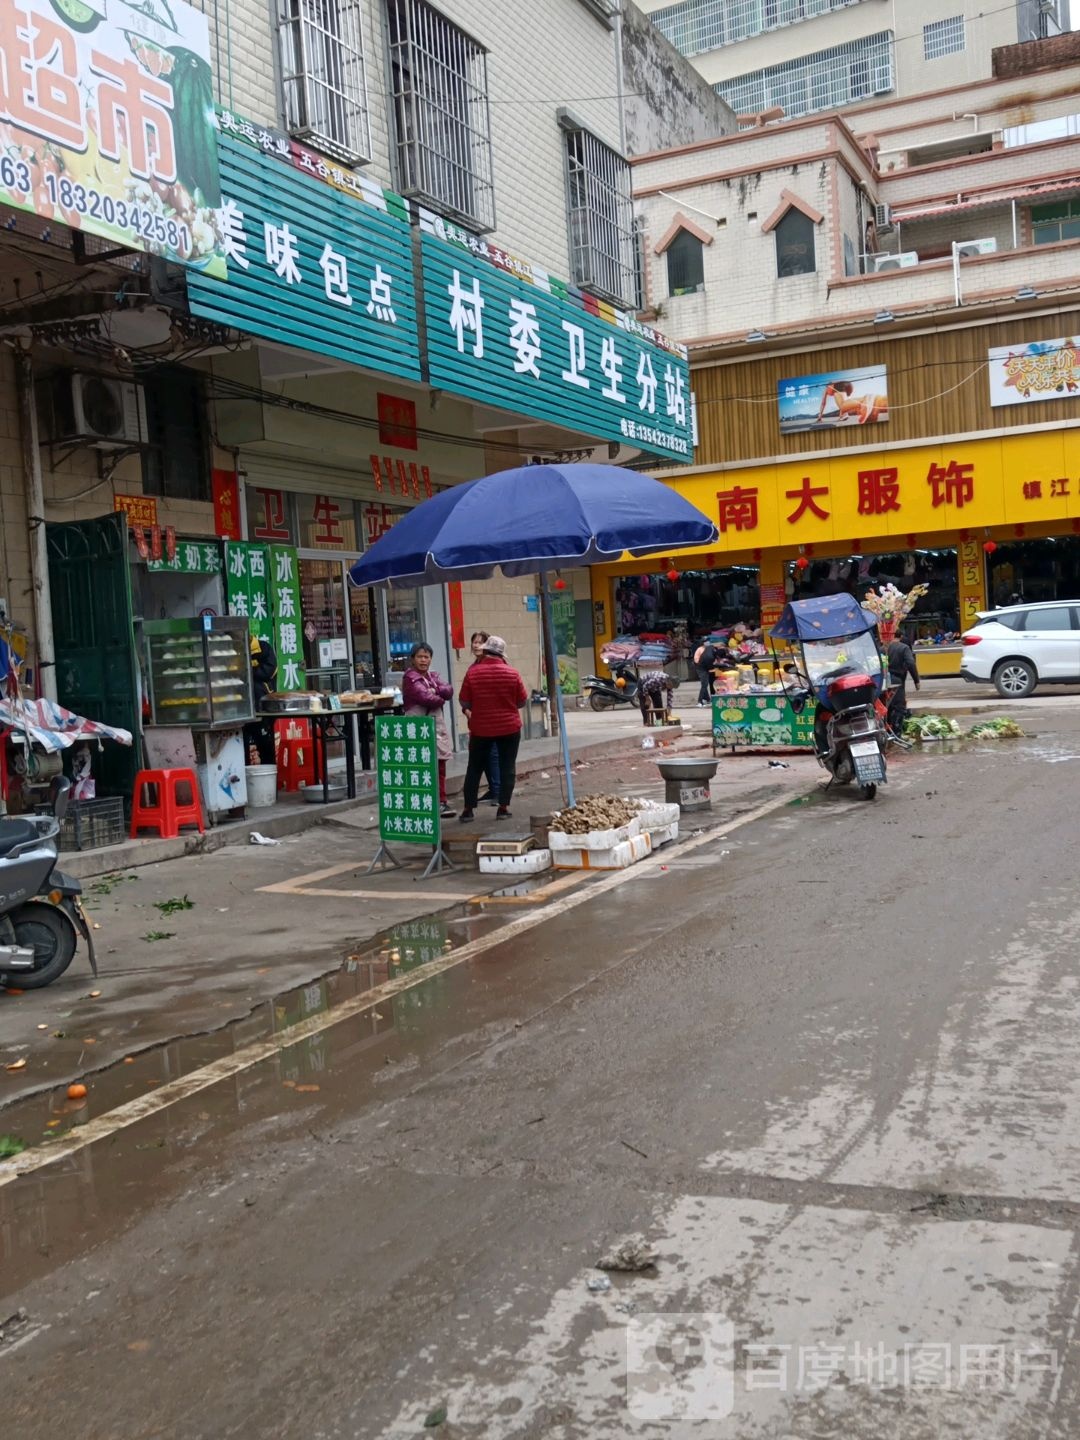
{"x":92,"y":824}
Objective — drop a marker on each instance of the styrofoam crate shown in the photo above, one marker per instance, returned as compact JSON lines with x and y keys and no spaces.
{"x":594,"y":839}
{"x":657,"y":812}
{"x":663,"y":834}
{"x":627,"y":852}
{"x":533,"y":862}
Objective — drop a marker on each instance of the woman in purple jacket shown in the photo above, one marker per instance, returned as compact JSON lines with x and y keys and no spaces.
{"x":424,"y":692}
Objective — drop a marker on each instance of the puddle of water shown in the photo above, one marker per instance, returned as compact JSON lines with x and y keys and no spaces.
{"x":50,"y":1214}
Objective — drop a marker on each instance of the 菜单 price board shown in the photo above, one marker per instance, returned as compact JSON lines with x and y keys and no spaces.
{"x":408,"y":774}
{"x":760,"y":720}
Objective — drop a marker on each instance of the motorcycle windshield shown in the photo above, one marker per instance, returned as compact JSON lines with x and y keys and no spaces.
{"x":825,"y":659}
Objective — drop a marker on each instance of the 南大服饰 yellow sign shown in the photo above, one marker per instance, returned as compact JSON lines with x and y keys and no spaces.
{"x":863,"y":495}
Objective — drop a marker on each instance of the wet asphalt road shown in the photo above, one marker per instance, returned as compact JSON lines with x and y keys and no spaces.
{"x":829,"y":1066}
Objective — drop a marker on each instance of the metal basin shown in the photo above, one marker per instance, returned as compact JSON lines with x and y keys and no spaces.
{"x":313,"y":794}
{"x":687,"y":782}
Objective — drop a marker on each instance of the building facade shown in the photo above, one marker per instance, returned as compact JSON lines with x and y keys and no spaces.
{"x":881,"y":328}
{"x":337,"y":257}
{"x":812,"y":56}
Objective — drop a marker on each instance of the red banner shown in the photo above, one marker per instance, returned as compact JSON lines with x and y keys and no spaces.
{"x":226,"y":504}
{"x":457,"y":614}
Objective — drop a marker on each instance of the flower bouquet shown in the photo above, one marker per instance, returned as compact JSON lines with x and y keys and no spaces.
{"x":891,"y":605}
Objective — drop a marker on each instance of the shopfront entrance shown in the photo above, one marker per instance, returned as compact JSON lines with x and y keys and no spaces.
{"x":352,"y":639}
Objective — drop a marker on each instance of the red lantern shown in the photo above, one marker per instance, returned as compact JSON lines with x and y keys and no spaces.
{"x":802,"y":563}
{"x":990,"y":546}
{"x":673,"y":575}
{"x":710,"y":562}
{"x":560,"y":584}
{"x":1019,"y":532}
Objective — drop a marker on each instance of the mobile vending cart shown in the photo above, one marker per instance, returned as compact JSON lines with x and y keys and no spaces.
{"x":751,"y":708}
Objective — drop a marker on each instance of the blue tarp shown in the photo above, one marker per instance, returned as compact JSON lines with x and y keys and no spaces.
{"x":831,"y":617}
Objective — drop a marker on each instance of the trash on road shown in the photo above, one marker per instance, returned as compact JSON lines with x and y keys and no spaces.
{"x":631,"y":1255}
{"x":17,"y":1064}
{"x":598,"y":1284}
{"x":256,"y":838}
{"x":779,"y":765}
{"x":178,"y":902}
{"x":435,"y":1418}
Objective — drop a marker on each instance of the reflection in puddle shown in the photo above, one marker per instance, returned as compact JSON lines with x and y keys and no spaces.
{"x":52,"y":1213}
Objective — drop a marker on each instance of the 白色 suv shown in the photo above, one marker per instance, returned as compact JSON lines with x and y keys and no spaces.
{"x":1021,"y":646}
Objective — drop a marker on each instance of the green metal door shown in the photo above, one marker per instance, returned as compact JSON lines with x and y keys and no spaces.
{"x":94,"y":638}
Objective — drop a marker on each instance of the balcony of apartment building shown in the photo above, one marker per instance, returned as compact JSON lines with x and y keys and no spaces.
{"x":997,"y":218}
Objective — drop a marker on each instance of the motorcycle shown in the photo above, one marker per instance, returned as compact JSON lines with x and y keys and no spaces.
{"x":842,"y":669}
{"x":41,"y":913}
{"x":606,"y":694}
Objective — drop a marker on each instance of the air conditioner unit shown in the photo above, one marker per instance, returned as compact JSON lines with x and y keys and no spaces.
{"x":966,"y":249}
{"x":98,"y":408}
{"x":903,"y":261}
{"x":883,"y":217}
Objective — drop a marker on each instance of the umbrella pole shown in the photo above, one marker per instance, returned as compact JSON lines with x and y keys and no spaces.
{"x":550,"y":629}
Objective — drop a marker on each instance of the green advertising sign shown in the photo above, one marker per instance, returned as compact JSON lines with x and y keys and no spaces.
{"x":247,"y":586}
{"x":408,"y":775}
{"x":760,"y":720}
{"x":285,"y":609}
{"x":507,"y":333}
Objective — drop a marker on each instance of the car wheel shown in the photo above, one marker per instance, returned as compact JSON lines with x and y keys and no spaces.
{"x":1015,"y":679}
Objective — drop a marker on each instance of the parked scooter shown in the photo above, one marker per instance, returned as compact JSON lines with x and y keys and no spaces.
{"x":842,"y":669}
{"x":41,"y":914}
{"x":621,"y":689}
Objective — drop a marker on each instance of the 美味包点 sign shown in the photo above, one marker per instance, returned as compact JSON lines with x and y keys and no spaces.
{"x":311,"y":266}
{"x":510,"y":335}
{"x":106,"y":122}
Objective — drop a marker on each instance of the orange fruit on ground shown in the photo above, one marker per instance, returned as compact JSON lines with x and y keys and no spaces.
{"x":76,"y":1092}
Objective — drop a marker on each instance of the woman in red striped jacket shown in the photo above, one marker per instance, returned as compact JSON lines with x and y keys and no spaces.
{"x":493,"y":693}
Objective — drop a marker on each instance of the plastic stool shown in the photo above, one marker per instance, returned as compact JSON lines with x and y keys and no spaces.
{"x":166,"y":812}
{"x":295,"y":755}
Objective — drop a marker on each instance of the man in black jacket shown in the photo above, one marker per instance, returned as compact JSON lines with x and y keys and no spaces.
{"x":901,"y":663}
{"x":260,"y":733}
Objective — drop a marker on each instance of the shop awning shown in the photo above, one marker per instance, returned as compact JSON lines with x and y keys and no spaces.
{"x":1022,"y":195}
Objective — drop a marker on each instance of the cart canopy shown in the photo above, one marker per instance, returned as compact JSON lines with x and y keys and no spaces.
{"x":832,"y":617}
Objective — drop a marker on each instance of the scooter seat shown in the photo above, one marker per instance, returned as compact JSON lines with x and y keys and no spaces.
{"x":15,"y":831}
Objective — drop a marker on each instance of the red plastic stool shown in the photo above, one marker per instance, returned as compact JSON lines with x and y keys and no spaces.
{"x":165,"y":812}
{"x":295,"y":755}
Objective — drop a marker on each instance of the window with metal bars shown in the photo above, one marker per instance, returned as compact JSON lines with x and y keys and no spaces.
{"x":943,"y":37}
{"x":694,"y":26}
{"x":685,"y":264}
{"x":826,"y":80}
{"x":603,"y":239}
{"x":323,"y":77}
{"x":442,"y":125}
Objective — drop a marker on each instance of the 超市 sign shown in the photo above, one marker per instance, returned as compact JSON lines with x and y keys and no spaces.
{"x":510,"y":335}
{"x":106,"y":122}
{"x":408,"y":777}
{"x":312,"y":266}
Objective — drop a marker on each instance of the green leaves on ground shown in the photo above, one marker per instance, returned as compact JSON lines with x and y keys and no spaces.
{"x":171,"y":907}
{"x":152,"y":935}
{"x":10,"y":1146}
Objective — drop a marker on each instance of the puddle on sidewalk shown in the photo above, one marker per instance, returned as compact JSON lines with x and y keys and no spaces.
{"x":50,"y":1214}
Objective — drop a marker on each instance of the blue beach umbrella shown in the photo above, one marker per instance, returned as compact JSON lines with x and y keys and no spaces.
{"x":530,"y":521}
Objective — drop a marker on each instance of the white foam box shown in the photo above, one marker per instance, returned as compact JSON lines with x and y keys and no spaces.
{"x":627,"y":852}
{"x":657,"y":812}
{"x":533,"y":862}
{"x":595,"y":839}
{"x":662,"y":834}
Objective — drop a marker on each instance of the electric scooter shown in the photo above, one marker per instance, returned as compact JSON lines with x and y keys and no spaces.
{"x":41,"y":913}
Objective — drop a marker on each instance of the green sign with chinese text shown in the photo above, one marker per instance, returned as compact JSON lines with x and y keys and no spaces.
{"x":760,"y":720}
{"x":408,"y":776}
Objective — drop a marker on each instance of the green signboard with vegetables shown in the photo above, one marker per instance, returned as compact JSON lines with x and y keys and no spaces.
{"x":761,"y":720}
